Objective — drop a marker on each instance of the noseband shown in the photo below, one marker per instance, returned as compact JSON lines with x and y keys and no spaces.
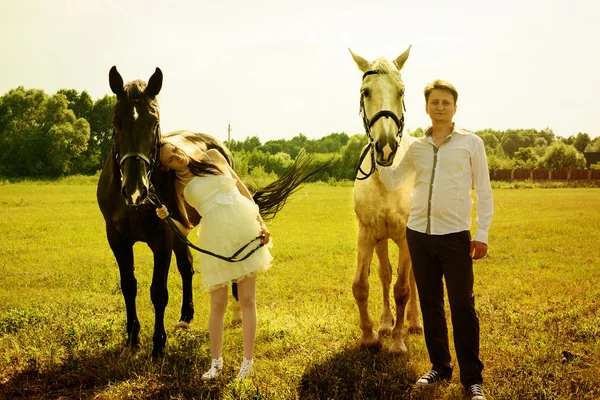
{"x":151,"y":161}
{"x":368,"y":123}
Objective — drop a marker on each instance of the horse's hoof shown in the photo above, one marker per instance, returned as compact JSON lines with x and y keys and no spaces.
{"x":182,"y":325}
{"x":236,"y":317}
{"x":398,"y":348}
{"x":130,"y":352}
{"x":415,"y":329}
{"x":369,"y":340}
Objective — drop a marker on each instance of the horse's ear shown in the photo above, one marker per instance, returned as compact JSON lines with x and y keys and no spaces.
{"x":399,"y":62}
{"x":362,"y":64}
{"x":154,"y":84}
{"x":115,"y":80}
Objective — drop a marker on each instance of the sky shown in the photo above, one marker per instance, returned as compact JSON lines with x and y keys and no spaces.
{"x":275,"y":69}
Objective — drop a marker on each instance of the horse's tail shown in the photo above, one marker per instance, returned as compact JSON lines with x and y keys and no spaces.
{"x":271,"y":198}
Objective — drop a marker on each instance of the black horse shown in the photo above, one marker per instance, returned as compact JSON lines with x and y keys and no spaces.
{"x":129,"y":181}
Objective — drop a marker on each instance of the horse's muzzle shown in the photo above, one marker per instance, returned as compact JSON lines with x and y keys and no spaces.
{"x":134,"y":196}
{"x":385,"y":152}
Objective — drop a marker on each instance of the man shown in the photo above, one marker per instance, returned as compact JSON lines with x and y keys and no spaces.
{"x":447,"y":162}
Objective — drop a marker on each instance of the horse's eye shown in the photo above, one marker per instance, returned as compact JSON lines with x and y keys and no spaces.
{"x":365,"y":93}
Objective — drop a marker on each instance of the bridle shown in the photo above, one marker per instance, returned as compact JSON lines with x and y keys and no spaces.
{"x":150,"y":160}
{"x":368,"y":123}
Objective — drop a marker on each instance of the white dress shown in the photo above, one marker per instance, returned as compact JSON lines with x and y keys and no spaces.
{"x":228,"y":223}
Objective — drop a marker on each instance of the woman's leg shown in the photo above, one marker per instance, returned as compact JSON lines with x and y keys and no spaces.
{"x":218,"y":305}
{"x":247,"y":297}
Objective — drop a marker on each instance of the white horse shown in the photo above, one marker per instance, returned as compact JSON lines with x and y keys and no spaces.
{"x":381,"y":214}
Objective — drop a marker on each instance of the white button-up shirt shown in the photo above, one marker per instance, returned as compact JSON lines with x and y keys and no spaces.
{"x":444,"y":175}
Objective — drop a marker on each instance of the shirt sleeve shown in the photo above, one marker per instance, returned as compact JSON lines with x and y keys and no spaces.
{"x":395,"y":176}
{"x":483,"y":191}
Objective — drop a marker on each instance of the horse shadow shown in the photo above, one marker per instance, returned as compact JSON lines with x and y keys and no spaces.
{"x":103,"y":374}
{"x":363,"y":373}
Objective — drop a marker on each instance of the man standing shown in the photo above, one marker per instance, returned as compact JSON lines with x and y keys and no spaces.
{"x":447,"y":162}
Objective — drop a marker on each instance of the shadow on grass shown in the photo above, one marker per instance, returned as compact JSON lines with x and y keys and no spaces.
{"x":360,"y":373}
{"x":105,"y":375}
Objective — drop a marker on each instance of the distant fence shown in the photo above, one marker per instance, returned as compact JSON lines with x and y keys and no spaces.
{"x":545,"y":175}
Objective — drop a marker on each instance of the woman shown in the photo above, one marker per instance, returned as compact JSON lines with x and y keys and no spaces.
{"x":230,"y":219}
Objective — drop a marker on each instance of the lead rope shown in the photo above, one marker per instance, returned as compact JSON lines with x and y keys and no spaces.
{"x":184,"y":238}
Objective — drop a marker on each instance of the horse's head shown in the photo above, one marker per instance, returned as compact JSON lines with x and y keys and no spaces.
{"x":136,"y":133}
{"x":382,"y":104}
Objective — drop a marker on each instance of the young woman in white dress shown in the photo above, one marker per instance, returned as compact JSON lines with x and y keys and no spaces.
{"x":230,"y":219}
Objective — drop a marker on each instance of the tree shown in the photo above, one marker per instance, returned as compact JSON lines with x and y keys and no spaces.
{"x":548,"y":135}
{"x":39,"y":133}
{"x":66,"y":136}
{"x":594,"y":146}
{"x":495,"y":163}
{"x":582,"y":140}
{"x":21,"y":111}
{"x":100,"y":140}
{"x":562,"y":156}
{"x":512,"y":141}
{"x":417,"y":133}
{"x":526,"y":158}
{"x":251,"y":144}
{"x":81,"y":104}
{"x":350,"y":156}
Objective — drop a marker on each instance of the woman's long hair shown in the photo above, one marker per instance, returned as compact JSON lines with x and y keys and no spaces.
{"x":197,"y":166}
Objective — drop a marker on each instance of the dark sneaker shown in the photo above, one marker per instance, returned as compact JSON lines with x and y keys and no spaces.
{"x":433,"y":377}
{"x":475,"y":392}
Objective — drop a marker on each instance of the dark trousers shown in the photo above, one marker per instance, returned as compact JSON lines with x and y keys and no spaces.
{"x":437,"y":257}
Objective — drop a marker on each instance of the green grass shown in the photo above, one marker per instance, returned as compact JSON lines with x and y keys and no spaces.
{"x":62,"y":314}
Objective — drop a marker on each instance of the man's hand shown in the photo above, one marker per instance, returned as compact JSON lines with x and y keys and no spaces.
{"x":478,"y":250}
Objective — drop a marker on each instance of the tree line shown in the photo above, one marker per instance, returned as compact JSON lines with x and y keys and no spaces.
{"x":67,"y":133}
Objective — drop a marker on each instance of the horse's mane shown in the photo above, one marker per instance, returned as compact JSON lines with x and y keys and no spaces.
{"x":383,"y":67}
{"x":192,"y":144}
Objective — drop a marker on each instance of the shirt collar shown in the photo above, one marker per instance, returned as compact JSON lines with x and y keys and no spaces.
{"x":454,"y":130}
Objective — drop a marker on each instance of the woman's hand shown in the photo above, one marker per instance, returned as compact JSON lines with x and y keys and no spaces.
{"x":162,"y":212}
{"x":264,"y":231}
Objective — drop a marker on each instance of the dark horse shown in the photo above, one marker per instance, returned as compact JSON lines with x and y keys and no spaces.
{"x":132,"y":177}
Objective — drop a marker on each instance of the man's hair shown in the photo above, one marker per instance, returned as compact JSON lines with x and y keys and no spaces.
{"x":440,"y":85}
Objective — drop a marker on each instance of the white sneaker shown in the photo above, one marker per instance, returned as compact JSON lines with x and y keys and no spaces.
{"x":246,"y":370}
{"x":216,"y":366}
{"x":476,"y":392}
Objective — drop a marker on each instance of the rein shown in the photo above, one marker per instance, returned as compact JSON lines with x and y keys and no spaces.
{"x":157,"y":203}
{"x":368,"y":123}
{"x":233,"y":258}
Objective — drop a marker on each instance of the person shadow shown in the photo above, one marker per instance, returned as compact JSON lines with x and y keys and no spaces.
{"x":358,"y":373}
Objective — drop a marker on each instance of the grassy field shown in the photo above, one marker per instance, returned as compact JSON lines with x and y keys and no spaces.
{"x":62,"y":314}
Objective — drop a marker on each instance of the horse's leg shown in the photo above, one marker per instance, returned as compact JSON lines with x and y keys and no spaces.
{"x":360,"y":287}
{"x":412,"y":310}
{"x":123,"y":251}
{"x":160,"y":297}
{"x":401,"y":296}
{"x":236,"y":309}
{"x":385,"y":276}
{"x":185,"y":265}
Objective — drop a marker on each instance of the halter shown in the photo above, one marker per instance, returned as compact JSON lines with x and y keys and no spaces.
{"x":368,"y":123}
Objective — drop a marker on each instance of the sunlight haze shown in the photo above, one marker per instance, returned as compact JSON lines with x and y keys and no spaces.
{"x":274,"y":69}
